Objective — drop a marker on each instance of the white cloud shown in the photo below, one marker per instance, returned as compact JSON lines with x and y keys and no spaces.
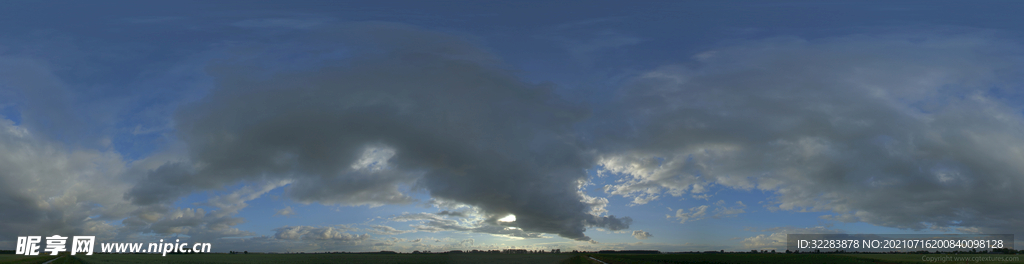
{"x":387,"y":230}
{"x":640,"y":234}
{"x":701,"y":212}
{"x":318,"y":233}
{"x":694,"y":214}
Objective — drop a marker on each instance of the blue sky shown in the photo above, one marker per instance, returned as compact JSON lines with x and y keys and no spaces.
{"x":288,"y":126}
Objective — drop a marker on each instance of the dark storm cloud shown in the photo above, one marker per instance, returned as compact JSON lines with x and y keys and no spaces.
{"x":409,"y":110}
{"x":907,"y":131}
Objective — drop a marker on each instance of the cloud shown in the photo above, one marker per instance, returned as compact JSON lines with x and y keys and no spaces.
{"x":455,"y":214}
{"x":918,"y":132}
{"x":722,"y":211}
{"x":640,"y":234}
{"x":777,"y":239}
{"x":198,"y":223}
{"x":904,"y":131}
{"x":235,"y":201}
{"x":317,"y":233}
{"x":47,"y":188}
{"x":387,"y":230}
{"x":435,"y":223}
{"x":694,"y":214}
{"x":286,"y":211}
{"x":405,"y":217}
{"x":700,"y":212}
{"x":433,"y":112}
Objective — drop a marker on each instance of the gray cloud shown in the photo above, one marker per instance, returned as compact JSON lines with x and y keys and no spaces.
{"x":47,"y":188}
{"x":197,"y":223}
{"x":455,"y":122}
{"x":455,"y":213}
{"x":917,"y":131}
{"x":416,"y":217}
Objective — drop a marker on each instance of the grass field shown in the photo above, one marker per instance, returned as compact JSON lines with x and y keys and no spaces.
{"x":9,"y":257}
{"x":510,"y":258}
{"x":22,"y":259}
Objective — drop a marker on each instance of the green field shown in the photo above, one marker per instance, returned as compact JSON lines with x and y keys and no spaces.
{"x":9,"y":257}
{"x":22,"y":259}
{"x":504,"y":258}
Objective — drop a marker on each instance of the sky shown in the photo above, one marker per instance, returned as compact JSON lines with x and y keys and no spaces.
{"x":312,"y":126}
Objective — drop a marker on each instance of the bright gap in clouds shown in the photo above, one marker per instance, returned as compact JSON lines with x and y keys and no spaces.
{"x":509,"y":218}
